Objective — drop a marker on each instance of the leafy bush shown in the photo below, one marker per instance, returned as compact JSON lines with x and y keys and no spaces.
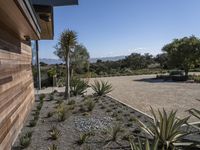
{"x":78,"y":86}
{"x":101,"y":87}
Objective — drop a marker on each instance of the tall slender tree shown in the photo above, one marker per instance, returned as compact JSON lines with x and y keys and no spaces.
{"x":67,"y":41}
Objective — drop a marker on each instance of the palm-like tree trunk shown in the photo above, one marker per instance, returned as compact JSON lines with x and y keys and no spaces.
{"x":67,"y":80}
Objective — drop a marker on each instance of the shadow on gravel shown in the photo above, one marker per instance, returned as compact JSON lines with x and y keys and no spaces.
{"x":154,"y":80}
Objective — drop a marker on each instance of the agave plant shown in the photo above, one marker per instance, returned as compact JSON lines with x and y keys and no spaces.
{"x":101,"y":87}
{"x":196,"y":113}
{"x":140,"y":145}
{"x":78,"y":86}
{"x":167,"y":129}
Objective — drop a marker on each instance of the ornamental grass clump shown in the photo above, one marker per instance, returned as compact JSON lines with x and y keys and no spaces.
{"x":53,"y":147}
{"x":54,"y":133}
{"x":82,"y":138}
{"x":113,"y":135}
{"x":61,"y":112}
{"x":101,"y":87}
{"x":90,"y":104}
{"x":25,"y":140}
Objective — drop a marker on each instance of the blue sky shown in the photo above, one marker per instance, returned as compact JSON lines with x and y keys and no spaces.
{"x":120,"y":27}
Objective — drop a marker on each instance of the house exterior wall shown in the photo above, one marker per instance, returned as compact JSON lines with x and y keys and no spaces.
{"x":16,"y":86}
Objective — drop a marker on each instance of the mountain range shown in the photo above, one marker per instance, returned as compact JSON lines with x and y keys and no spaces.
{"x":92,"y":60}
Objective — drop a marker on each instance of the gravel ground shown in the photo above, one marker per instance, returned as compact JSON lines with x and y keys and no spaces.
{"x":99,"y":123}
{"x":142,"y":91}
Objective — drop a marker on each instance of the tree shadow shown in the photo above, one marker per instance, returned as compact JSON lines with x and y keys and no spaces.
{"x":155,"y":80}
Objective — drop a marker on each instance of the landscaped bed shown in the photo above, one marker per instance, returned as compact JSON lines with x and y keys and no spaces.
{"x":84,"y":122}
{"x":89,"y":123}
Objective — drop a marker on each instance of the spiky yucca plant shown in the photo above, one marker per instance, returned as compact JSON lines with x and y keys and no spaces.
{"x":78,"y":86}
{"x":101,"y":87}
{"x":143,"y":145}
{"x":53,"y":147}
{"x":166,"y":129}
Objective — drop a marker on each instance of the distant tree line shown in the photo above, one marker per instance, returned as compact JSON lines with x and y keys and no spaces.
{"x":182,"y":54}
{"x":135,"y":61}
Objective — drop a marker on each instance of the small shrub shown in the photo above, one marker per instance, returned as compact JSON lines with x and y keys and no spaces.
{"x":61,"y":113}
{"x":42,"y":96}
{"x":59,"y":101}
{"x":51,"y":97}
{"x":131,"y":119}
{"x":126,"y":115}
{"x":50,"y":114}
{"x":82,"y":138}
{"x":102,"y":107}
{"x":129,"y":124}
{"x":36,"y":112}
{"x":108,"y":110}
{"x":32,"y":123}
{"x":71,"y":102}
{"x":119,"y":111}
{"x":53,"y":147}
{"x":71,"y":107}
{"x":90,"y":104}
{"x":101,"y":87}
{"x":82,"y":109}
{"x":25,"y":140}
{"x":39,"y":106}
{"x":78,"y":86}
{"x":114,"y":131}
{"x":114,"y":114}
{"x":54,"y":133}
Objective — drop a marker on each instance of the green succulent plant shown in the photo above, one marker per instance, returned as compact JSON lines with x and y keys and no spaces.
{"x":143,"y":145}
{"x":167,"y":129}
{"x":78,"y":86}
{"x":101,"y":87}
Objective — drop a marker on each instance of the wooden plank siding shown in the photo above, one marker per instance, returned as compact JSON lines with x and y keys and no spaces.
{"x":16,"y":88}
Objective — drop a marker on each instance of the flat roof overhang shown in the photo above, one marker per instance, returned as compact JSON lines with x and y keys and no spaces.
{"x":18,"y":17}
{"x":44,"y":11}
{"x":55,"y":2}
{"x":45,"y":18}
